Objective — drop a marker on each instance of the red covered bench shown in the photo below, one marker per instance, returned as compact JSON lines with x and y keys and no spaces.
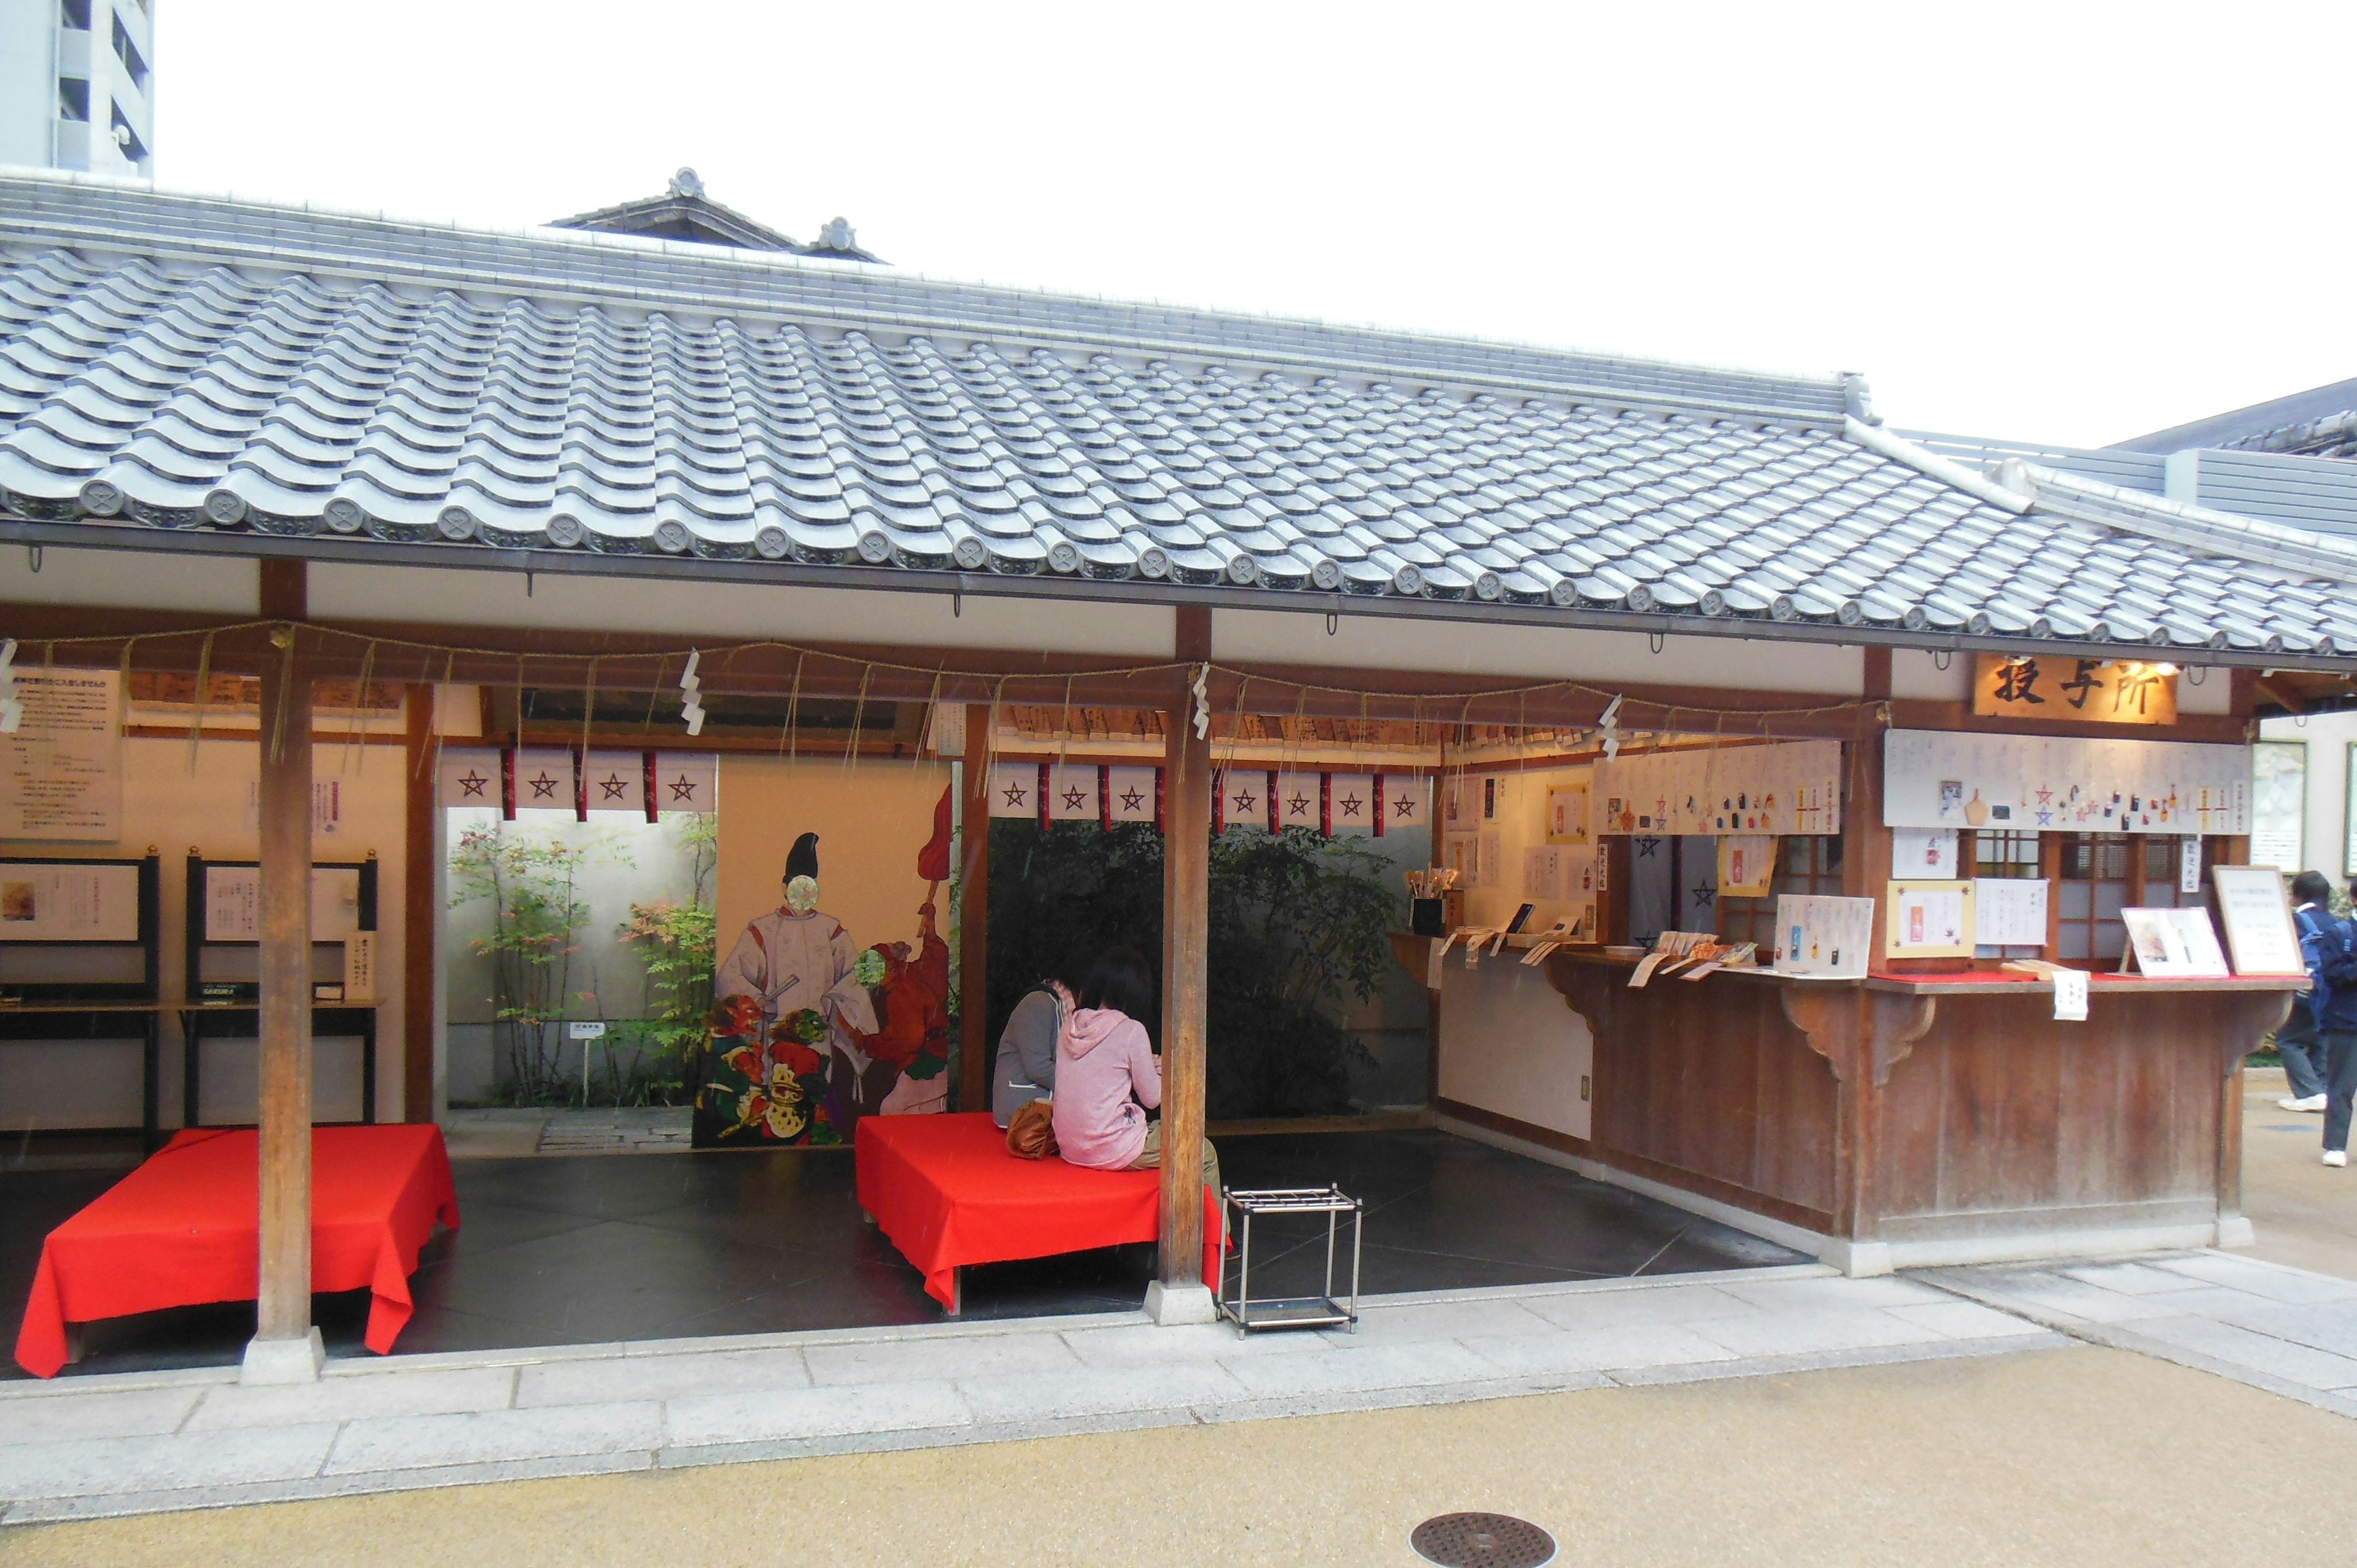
{"x":181,"y":1232}
{"x":946,"y":1191}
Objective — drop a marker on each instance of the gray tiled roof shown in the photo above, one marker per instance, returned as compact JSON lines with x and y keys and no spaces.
{"x":206,"y":369}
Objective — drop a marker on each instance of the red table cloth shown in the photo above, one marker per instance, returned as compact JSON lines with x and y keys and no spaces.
{"x":946,"y":1191}
{"x":181,"y":1232}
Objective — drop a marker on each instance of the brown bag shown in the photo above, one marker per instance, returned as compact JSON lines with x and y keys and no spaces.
{"x":1031,"y":1134}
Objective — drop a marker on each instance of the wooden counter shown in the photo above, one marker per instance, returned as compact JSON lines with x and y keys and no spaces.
{"x":1916,"y":1119}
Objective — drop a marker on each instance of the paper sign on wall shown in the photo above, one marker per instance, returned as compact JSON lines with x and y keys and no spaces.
{"x":1955,"y":779}
{"x":2189,"y":866}
{"x":1747,"y":865}
{"x":1789,"y":788}
{"x":1566,"y":814}
{"x":360,"y":967}
{"x":2009,"y":911}
{"x":61,"y":771}
{"x":1927,"y":852}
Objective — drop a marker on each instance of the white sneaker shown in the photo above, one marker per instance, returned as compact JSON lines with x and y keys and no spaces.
{"x":2292,"y":1102}
{"x":2336,"y":1158}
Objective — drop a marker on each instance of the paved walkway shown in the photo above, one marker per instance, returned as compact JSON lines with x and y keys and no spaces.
{"x":134,"y":1443}
{"x":2286,"y":1330}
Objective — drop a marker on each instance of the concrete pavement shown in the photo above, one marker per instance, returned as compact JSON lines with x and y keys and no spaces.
{"x":2058,"y":1457}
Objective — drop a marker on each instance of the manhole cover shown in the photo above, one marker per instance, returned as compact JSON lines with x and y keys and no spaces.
{"x":1482,"y":1541}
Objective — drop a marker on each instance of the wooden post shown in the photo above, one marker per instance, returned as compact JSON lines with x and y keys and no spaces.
{"x":973,"y":913}
{"x":286,"y":1346}
{"x":1178,"y":1293}
{"x":421,"y":914}
{"x":1865,"y":843}
{"x":1432,"y":998}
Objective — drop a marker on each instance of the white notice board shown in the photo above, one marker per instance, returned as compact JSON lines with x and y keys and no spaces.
{"x":68,"y":901}
{"x":234,"y":903}
{"x":2259,"y":929}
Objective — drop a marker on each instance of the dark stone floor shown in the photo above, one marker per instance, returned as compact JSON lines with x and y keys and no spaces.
{"x":587,"y":1249}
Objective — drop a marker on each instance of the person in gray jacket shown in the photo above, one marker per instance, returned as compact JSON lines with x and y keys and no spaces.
{"x":1026,"y":1067}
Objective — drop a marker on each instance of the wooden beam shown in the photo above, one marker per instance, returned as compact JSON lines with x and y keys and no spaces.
{"x":1186,"y":934}
{"x":973,"y":914}
{"x":420,"y":913}
{"x":285,"y":1348}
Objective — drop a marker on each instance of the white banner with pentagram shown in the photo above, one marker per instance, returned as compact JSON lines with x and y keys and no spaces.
{"x":469,"y":776}
{"x":684,"y":781}
{"x":616,"y":781}
{"x":1349,"y":804}
{"x":1015,"y":789}
{"x":1130,"y":792}
{"x":1407,"y":800}
{"x":1299,"y":795}
{"x":543,"y":778}
{"x":1072,"y":792}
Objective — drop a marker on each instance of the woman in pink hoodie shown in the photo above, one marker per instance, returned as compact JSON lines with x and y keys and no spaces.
{"x":1108,"y":1075}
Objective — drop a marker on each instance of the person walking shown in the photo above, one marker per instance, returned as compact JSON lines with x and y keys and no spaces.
{"x":2328,"y":943}
{"x":2299,"y":1042}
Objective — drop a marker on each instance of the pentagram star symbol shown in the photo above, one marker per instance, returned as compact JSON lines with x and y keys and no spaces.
{"x":1130,"y":801}
{"x":1351,"y":804}
{"x":1298,"y":805}
{"x":683,"y":787}
{"x":1704,"y":895}
{"x":1402,"y":807}
{"x":472,"y":783}
{"x":1073,"y":799}
{"x":614,"y":786}
{"x":1645,"y":847}
{"x":543,"y":786}
{"x":1244,"y":801}
{"x":1014,"y":793}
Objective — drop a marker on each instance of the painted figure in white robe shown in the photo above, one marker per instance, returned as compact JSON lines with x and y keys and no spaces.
{"x":791,"y":957}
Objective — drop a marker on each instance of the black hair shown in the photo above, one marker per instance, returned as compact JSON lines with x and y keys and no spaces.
{"x":802,"y":859}
{"x":1121,"y":980}
{"x":2311,"y":888}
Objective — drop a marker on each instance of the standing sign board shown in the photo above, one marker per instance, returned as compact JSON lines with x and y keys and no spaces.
{"x":1824,"y":938}
{"x":2257,"y":914}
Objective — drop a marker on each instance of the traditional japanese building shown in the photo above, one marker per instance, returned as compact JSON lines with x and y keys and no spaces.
{"x":503,"y":494}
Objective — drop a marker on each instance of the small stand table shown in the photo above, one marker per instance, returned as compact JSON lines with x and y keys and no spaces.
{"x":1291,"y":1311}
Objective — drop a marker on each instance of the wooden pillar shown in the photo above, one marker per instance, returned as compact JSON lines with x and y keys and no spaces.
{"x":420,"y":913}
{"x":973,"y":913}
{"x":1432,"y":998}
{"x":1865,"y":843}
{"x":286,"y":1346}
{"x":1178,"y":1294}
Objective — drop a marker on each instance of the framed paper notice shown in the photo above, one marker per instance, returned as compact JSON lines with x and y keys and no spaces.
{"x":2173,"y":944}
{"x":1747,"y":865}
{"x":2259,"y":927}
{"x":1823,"y":937}
{"x":1931,"y":919}
{"x":1566,"y":814}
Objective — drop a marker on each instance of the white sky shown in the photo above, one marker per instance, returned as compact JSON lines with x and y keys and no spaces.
{"x":2048,"y":221}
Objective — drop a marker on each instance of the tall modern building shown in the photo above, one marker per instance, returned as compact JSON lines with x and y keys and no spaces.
{"x":78,"y":85}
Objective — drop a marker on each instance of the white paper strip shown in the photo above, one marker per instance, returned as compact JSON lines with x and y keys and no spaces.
{"x":2070,"y":995}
